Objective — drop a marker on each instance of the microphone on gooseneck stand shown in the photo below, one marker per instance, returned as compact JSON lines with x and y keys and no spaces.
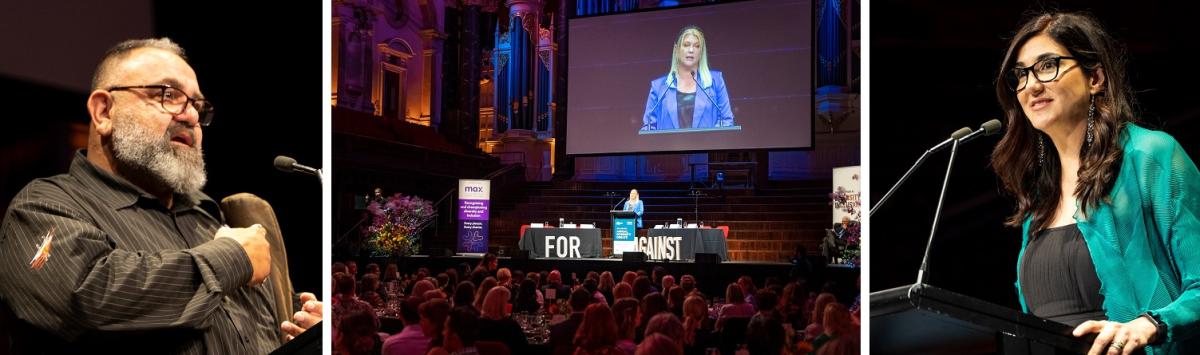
{"x":988,"y":128}
{"x":962,"y":135}
{"x":961,"y":132}
{"x":655,"y":107}
{"x":614,"y":207}
{"x":288,"y":165}
{"x":701,"y":89}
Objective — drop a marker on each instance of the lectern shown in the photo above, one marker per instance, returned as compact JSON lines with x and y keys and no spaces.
{"x":922,"y":319}
{"x":624,"y":231}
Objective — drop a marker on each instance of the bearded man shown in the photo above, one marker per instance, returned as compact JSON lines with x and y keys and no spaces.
{"x":124,"y":252}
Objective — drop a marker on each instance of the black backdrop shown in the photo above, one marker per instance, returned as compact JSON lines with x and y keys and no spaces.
{"x":260,"y":65}
{"x":932,"y":68}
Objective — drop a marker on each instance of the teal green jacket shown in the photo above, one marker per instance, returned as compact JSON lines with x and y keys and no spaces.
{"x":1145,"y":239}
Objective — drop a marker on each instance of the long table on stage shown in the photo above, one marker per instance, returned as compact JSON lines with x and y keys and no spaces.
{"x":568,"y":242}
{"x":692,"y":241}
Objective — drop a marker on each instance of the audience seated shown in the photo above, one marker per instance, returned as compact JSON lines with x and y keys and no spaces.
{"x":562,"y":335}
{"x":765,"y":333}
{"x":697,"y":326}
{"x":496,"y":325}
{"x":597,"y":335}
{"x":816,"y":327}
{"x":606,"y":287}
{"x":658,"y":344}
{"x":357,"y":331}
{"x":605,"y":317}
{"x":625,"y":312}
{"x":836,"y":324}
{"x":464,"y":294}
{"x":653,"y":304}
{"x":461,"y":332}
{"x":411,"y":340}
{"x":667,"y":324}
{"x":737,"y":306}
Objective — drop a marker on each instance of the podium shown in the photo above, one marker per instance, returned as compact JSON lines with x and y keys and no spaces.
{"x":922,"y":319}
{"x":624,"y":231}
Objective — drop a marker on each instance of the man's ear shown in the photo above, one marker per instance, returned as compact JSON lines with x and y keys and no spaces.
{"x":1099,"y":79}
{"x":99,"y":106}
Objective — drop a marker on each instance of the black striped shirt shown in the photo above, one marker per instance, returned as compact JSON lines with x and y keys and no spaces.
{"x":125,"y":273}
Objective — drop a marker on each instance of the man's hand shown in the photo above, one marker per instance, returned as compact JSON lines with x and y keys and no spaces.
{"x":310,"y":314}
{"x":254,"y":240}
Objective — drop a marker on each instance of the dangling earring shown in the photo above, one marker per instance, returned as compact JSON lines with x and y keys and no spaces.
{"x":1041,"y":151}
{"x":1091,"y":121}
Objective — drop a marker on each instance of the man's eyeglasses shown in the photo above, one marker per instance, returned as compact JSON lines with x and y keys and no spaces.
{"x":1044,"y":70}
{"x":175,"y":101}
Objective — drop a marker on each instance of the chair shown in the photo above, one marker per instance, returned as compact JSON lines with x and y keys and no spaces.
{"x":492,"y":348}
{"x":732,"y":333}
{"x":244,"y":210}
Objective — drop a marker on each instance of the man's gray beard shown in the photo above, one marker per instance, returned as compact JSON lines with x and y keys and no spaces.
{"x":137,"y":148}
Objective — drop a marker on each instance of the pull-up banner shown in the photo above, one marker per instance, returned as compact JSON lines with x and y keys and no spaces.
{"x":473,"y":200}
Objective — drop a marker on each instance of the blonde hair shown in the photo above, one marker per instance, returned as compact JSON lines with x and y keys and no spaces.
{"x":493,"y":304}
{"x":606,"y":281}
{"x":703,"y":76}
{"x":484,"y":287}
{"x":695,"y":311}
{"x":825,"y":298}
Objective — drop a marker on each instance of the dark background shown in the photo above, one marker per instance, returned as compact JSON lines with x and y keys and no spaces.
{"x":932,"y":70}
{"x":261,"y":67}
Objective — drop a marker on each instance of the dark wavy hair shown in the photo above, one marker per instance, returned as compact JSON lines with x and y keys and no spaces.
{"x":1015,"y":158}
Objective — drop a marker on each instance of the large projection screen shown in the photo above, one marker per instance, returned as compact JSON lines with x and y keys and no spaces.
{"x":756,"y":94}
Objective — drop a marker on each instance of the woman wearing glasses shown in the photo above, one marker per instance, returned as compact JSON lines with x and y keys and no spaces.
{"x":1110,"y":211}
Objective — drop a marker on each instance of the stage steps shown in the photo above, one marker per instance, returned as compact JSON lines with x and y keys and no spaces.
{"x":766,"y":224}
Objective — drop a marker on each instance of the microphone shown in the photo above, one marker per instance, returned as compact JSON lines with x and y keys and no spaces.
{"x":614,"y":207}
{"x":962,"y":135}
{"x":701,"y":89}
{"x":654,"y":108}
{"x":288,"y":165}
{"x":986,"y":129}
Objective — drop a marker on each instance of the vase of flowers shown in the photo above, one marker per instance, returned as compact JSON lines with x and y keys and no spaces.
{"x":396,"y":224}
{"x":851,"y":204}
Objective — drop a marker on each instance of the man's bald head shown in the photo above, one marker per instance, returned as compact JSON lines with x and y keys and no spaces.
{"x":102,"y":77}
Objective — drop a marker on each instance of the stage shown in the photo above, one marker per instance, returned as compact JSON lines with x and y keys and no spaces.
{"x":711,"y":278}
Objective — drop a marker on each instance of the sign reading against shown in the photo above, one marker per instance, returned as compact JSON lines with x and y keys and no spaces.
{"x":473,"y":200}
{"x":660,"y":248}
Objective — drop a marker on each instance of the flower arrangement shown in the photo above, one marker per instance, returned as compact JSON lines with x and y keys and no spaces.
{"x":851,"y":203}
{"x":396,"y":224}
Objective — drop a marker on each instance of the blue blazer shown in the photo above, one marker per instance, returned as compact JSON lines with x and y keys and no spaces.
{"x":638,"y":208}
{"x":662,"y":107}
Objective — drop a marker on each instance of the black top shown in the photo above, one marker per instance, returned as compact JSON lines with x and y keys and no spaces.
{"x":124,"y":270}
{"x":1058,"y":278}
{"x":506,"y":331}
{"x":687,"y":104}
